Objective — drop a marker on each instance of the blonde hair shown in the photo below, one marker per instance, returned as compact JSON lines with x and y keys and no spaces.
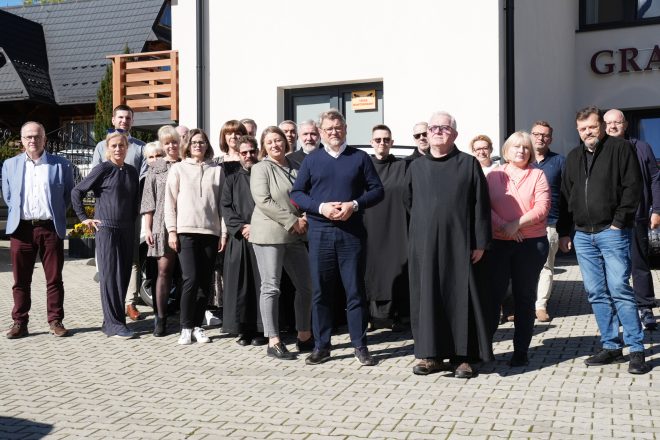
{"x":113,"y":135}
{"x":518,"y":138}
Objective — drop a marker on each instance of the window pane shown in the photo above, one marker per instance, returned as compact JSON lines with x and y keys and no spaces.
{"x":648,"y":8}
{"x":310,"y":107}
{"x":649,"y":131}
{"x":604,"y":11}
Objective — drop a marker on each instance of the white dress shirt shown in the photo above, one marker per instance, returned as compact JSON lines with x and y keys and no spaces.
{"x":34,"y":197}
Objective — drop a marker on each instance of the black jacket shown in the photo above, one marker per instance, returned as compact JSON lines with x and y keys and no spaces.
{"x":606,"y":194}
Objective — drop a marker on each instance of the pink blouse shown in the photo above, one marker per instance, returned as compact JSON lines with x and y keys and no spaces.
{"x":514,"y":192}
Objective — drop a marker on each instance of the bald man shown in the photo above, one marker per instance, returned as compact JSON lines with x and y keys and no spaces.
{"x":616,"y":126}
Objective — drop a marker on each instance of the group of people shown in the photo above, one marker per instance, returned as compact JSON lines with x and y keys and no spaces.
{"x":433,"y":241}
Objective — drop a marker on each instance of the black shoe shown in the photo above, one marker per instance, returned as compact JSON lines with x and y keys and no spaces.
{"x":648,"y":320}
{"x":518,"y":360}
{"x":362,"y":355}
{"x":637,"y":364}
{"x":463,"y":371}
{"x":318,"y":357}
{"x":305,"y":346}
{"x":160,"y":327}
{"x":279,"y":351}
{"x":244,"y":340}
{"x":258,"y":341}
{"x":400,"y":327}
{"x":605,"y":357}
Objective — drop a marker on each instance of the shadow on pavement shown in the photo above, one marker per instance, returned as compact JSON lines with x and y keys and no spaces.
{"x":12,"y":427}
{"x":554,"y":351}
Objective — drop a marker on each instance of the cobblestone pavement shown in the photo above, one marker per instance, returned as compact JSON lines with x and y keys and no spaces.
{"x":89,"y":386}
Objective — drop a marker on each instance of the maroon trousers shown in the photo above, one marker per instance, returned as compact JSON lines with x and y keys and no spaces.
{"x":25,"y":243}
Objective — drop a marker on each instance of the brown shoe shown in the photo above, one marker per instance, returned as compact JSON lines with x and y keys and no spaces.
{"x":17,"y":330}
{"x":58,"y":329}
{"x":133,"y":313}
{"x":427,"y":366}
{"x":542,"y":315}
{"x":463,"y":371}
{"x":510,"y":318}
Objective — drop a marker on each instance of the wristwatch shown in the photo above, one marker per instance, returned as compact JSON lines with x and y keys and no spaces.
{"x":355,"y":206}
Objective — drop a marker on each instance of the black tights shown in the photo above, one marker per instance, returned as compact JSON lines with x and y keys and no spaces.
{"x":166,"y":265}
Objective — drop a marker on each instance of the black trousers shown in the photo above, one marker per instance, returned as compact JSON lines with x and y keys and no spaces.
{"x":114,"y":252}
{"x":641,"y":271}
{"x":197,"y":259}
{"x":522,"y":264}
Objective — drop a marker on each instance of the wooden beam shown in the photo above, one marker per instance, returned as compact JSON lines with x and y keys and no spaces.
{"x":117,"y":96}
{"x":141,"y":55}
{"x":142,"y":89}
{"x":174,"y":83}
{"x":159,"y":76}
{"x":150,"y":64}
{"x":155,"y":102}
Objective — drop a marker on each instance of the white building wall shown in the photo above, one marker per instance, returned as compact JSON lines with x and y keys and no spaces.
{"x":430,"y":55}
{"x":545,"y":67}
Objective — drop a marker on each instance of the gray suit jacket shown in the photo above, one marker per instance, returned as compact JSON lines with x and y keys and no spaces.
{"x":274,"y":214}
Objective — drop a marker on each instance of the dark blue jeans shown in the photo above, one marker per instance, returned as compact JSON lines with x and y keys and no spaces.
{"x":333,"y":250}
{"x":521,"y":263}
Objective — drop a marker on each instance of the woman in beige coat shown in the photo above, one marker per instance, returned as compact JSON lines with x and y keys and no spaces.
{"x":277,"y":233}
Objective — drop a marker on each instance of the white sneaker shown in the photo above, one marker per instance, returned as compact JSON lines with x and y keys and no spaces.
{"x":186,"y":334}
{"x":200,"y":336}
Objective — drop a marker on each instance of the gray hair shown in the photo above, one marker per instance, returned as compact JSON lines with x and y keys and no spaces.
{"x":332,"y":114}
{"x":452,"y":121}
{"x":306,"y":123}
{"x":288,"y":121}
{"x":153,"y":147}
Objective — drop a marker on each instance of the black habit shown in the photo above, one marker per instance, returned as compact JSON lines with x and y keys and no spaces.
{"x":449,"y":217}
{"x":386,"y":274}
{"x":240,"y":273}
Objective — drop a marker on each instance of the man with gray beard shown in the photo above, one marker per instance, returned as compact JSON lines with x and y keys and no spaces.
{"x":309,"y":140}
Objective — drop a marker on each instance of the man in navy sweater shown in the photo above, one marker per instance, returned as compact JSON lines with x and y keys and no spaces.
{"x":334,"y":186}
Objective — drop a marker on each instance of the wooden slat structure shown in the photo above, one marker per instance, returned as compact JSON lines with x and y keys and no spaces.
{"x":147,"y":81}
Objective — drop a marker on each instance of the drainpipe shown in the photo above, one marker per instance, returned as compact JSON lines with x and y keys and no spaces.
{"x":510,"y":70}
{"x":200,"y":65}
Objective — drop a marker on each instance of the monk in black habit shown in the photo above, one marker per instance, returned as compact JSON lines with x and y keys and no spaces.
{"x":241,"y":314}
{"x":449,"y":231}
{"x":386,"y":275}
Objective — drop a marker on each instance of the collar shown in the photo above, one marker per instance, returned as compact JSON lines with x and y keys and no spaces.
{"x":42,"y":158}
{"x":331,"y":152}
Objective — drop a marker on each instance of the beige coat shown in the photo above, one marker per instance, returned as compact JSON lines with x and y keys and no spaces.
{"x":274,"y":215}
{"x":192,"y":198}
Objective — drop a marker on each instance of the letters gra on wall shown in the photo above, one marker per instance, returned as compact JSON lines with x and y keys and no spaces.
{"x":628,"y":59}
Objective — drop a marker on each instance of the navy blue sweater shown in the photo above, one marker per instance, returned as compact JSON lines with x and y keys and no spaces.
{"x":322,"y":178}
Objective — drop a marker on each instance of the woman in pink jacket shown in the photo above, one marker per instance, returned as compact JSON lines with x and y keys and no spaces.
{"x":520,"y":202}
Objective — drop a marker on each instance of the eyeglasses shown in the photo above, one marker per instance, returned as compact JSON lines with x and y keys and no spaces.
{"x":541,"y":135}
{"x":418,"y":135}
{"x":247,"y":153}
{"x":437,"y":129}
{"x":383,"y":140}
{"x":198,"y":143}
{"x":615,"y":123}
{"x":481,"y":149}
{"x":154,"y":156}
{"x":117,"y":130}
{"x":35,"y":137}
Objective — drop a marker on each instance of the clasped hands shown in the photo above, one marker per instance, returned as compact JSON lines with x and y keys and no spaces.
{"x":340,"y":211}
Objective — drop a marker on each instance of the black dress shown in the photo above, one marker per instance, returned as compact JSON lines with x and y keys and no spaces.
{"x":240,"y":273}
{"x":116,"y":189}
{"x":449,"y":217}
{"x":386,"y":275}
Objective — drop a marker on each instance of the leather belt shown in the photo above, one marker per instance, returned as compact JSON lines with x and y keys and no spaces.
{"x":37,"y":222}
